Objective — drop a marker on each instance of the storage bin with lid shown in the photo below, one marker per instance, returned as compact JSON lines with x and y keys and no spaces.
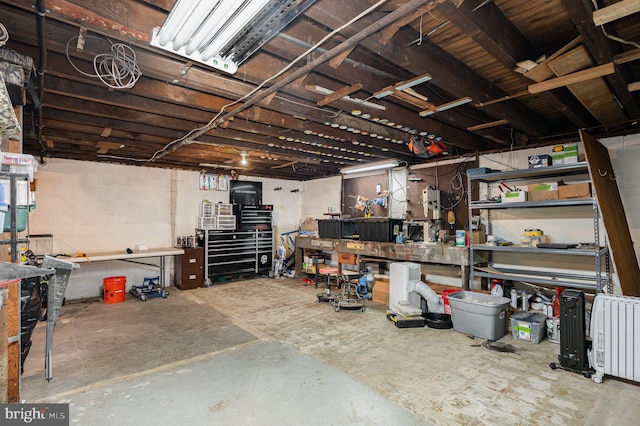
{"x":25,"y":203}
{"x":479,"y":314}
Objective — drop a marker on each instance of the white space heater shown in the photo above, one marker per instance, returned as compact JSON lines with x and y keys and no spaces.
{"x":615,"y":334}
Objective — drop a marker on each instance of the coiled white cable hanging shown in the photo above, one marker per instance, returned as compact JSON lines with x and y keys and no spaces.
{"x":117,"y":69}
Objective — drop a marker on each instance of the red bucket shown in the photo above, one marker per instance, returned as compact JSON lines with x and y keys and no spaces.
{"x":114,"y":289}
{"x":445,"y":300}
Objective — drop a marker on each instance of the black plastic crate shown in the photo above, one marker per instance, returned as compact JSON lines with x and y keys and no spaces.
{"x":348,"y":228}
{"x":336,"y":228}
{"x":382,"y":230}
{"x":329,"y":228}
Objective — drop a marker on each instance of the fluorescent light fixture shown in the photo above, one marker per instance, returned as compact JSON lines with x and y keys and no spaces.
{"x":369,"y":167}
{"x":454,"y":104}
{"x":403,"y":85}
{"x":223,"y":33}
{"x":414,"y":82}
{"x":382,"y":93}
{"x":325,"y":91}
{"x":219,"y":166}
{"x":446,"y":106}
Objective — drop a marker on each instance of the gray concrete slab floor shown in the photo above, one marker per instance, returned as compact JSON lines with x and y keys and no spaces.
{"x":264,"y":351}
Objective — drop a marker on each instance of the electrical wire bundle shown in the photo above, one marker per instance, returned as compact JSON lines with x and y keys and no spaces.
{"x":117,"y":69}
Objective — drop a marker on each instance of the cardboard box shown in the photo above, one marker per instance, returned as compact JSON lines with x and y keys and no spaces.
{"x":571,"y":155}
{"x":536,"y":161}
{"x":557,"y":158}
{"x":543,"y":195}
{"x":350,"y":259}
{"x":514,"y":197}
{"x":543,"y":191}
{"x":380,"y":291}
{"x":574,"y":190}
{"x":543,"y":186}
{"x":479,"y":236}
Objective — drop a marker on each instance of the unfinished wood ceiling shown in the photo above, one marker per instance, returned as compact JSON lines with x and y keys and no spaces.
{"x":532,"y":72}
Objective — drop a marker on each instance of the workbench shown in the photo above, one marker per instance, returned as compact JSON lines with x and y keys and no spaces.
{"x":133,"y":257}
{"x":440,"y":254}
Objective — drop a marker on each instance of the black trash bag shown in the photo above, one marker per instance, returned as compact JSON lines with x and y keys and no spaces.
{"x":30,"y":302}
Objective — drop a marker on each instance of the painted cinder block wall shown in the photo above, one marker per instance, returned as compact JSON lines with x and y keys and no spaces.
{"x":93,"y":207}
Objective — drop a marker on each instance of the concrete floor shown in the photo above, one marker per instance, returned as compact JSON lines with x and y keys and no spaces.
{"x":264,"y":351}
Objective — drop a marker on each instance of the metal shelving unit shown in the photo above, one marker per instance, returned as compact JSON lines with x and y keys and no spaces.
{"x":595,"y":280}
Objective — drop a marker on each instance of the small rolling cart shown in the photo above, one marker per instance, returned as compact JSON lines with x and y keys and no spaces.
{"x":150,"y":288}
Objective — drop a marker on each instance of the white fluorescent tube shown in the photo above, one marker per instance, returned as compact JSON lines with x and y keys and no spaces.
{"x":241,"y":18}
{"x":210,"y":24}
{"x":454,"y":104}
{"x":387,"y":164}
{"x":412,"y":83}
{"x":178,"y":15}
{"x":382,"y":94}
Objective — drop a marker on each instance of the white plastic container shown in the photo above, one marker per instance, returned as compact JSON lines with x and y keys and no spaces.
{"x":18,"y":163}
{"x":23,"y":193}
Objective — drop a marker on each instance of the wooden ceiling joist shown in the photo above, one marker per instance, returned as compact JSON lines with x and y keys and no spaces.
{"x":593,"y":94}
{"x":615,"y":11}
{"x":338,"y":60}
{"x":602,"y":50}
{"x":103,"y":147}
{"x":488,"y":125}
{"x":339,"y":94}
{"x":576,"y":77}
{"x":474,"y":56}
{"x":630,"y":56}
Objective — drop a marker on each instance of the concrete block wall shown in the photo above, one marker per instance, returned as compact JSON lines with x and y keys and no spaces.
{"x":93,"y":207}
{"x":319,"y":195}
{"x":101,"y":207}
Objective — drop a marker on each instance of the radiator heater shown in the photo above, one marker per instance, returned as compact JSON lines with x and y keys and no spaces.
{"x":615,"y":334}
{"x":573,"y":341}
